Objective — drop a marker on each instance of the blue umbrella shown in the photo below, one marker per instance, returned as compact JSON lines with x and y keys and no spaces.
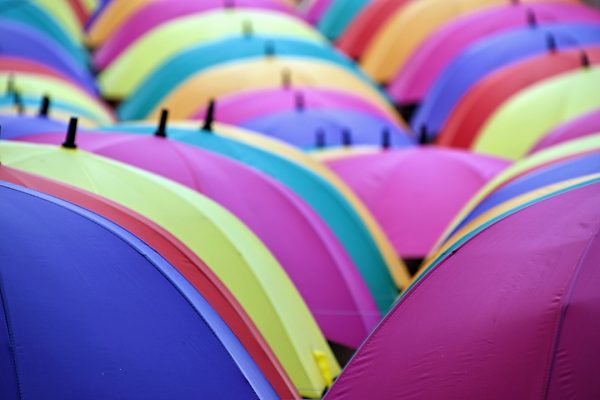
{"x":490,"y":54}
{"x":196,"y":59}
{"x":91,"y":312}
{"x":15,"y":126}
{"x":333,"y":127}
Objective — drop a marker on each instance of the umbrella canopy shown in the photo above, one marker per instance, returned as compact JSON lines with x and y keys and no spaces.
{"x":501,"y":322}
{"x":20,"y":125}
{"x":516,"y":126}
{"x":186,"y":262}
{"x":338,"y":15}
{"x":414,"y":193}
{"x":24,"y":114}
{"x":470,"y":114}
{"x":106,"y":312}
{"x":64,"y":14}
{"x":309,"y":252}
{"x":319,"y":187}
{"x":151,"y":88}
{"x":415,"y":78}
{"x":312,"y":10}
{"x":414,"y":22}
{"x":492,"y":54}
{"x":583,"y":125}
{"x":218,"y":238}
{"x":147,"y":53}
{"x":268,"y":72}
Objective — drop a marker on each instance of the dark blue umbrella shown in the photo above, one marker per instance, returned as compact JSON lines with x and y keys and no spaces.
{"x":489,"y":55}
{"x":308,"y":128}
{"x":91,"y":312}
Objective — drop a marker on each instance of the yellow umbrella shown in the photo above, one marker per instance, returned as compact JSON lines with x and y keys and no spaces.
{"x":230,"y":249}
{"x":143,"y":56}
{"x":516,"y":126}
{"x":407,"y":28}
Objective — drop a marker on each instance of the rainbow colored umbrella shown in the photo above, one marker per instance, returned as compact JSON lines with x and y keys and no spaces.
{"x":22,"y":114}
{"x":584,"y":125}
{"x":186,"y":262}
{"x":64,"y":14}
{"x":482,"y":313}
{"x":415,"y":78}
{"x":122,"y":322}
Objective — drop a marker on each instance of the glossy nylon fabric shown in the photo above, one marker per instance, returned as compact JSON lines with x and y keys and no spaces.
{"x":300,"y":128}
{"x":317,"y":190}
{"x":489,"y":55}
{"x":307,"y":250}
{"x":584,"y":125}
{"x":516,"y":301}
{"x":174,"y":252}
{"x":490,"y":93}
{"x":28,"y":43}
{"x":148,"y":53}
{"x":338,"y":16}
{"x":214,"y":235}
{"x":58,"y":278}
{"x":564,"y":97}
{"x":415,"y":193}
{"x":421,"y":69}
{"x":194,"y":60}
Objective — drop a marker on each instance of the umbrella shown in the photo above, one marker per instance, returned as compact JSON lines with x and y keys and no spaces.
{"x":414,"y":193}
{"x":147,"y":53}
{"x":22,"y":114}
{"x":491,"y":92}
{"x":268,"y":72}
{"x":312,"y":10}
{"x":583,"y":125}
{"x":105,"y":315}
{"x":218,"y":238}
{"x":311,"y":255}
{"x":414,"y":22}
{"x":415,"y":78}
{"x":515,"y":302}
{"x":335,"y":203}
{"x":490,"y":55}
{"x":531,"y":113}
{"x":152,"y":87}
{"x":186,"y":262}
{"x":338,"y":16}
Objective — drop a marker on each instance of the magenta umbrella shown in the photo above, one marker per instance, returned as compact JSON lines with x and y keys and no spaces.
{"x":587,"y":124}
{"x":414,"y":80}
{"x":415,"y":193}
{"x":310,"y":253}
{"x":237,"y":108}
{"x":512,"y":313}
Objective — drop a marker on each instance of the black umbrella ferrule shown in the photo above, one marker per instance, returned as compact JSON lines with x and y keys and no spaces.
{"x":209,"y":118}
{"x":161,"y":129}
{"x":69,"y":142}
{"x":44,"y":106}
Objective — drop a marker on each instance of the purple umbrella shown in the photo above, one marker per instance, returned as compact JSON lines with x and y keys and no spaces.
{"x":587,"y":124}
{"x":311,"y":254}
{"x":511,"y":313}
{"x":414,"y":80}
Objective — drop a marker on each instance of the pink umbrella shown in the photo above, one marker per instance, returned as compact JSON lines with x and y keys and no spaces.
{"x":414,"y":80}
{"x":312,"y":256}
{"x":237,"y":108}
{"x":513,"y":313}
{"x":161,"y":11}
{"x":587,"y":124}
{"x":415,"y":193}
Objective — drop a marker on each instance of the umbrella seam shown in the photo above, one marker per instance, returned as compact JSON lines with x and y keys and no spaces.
{"x":11,"y":337}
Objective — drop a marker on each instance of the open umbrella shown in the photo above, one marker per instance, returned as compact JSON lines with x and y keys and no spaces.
{"x":218,"y":238}
{"x":415,"y":78}
{"x":114,"y":323}
{"x":531,"y":113}
{"x":516,"y":302}
{"x":25,"y":114}
{"x":309,"y":252}
{"x":414,"y":193}
{"x":491,"y":92}
{"x":186,"y":262}
{"x":492,"y":54}
{"x":583,"y":125}
{"x":338,"y":15}
{"x":147,"y":53}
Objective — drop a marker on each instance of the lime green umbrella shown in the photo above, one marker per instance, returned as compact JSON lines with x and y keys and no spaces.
{"x":129,"y":69}
{"x":518,"y":124}
{"x":230,"y":249}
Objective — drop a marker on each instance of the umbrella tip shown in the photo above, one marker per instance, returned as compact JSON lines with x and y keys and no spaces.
{"x":423,"y":135}
{"x":585,"y":59}
{"x":247,"y":28}
{"x":320,"y":138}
{"x":386,"y":138}
{"x":269,"y":48}
{"x":286,"y":78}
{"x":346,"y":137}
{"x":69,"y":142}
{"x":209,"y":118}
{"x":531,"y":18}
{"x":299,"y":100}
{"x":161,"y":129}
{"x":551,"y":43}
{"x":44,"y":106}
